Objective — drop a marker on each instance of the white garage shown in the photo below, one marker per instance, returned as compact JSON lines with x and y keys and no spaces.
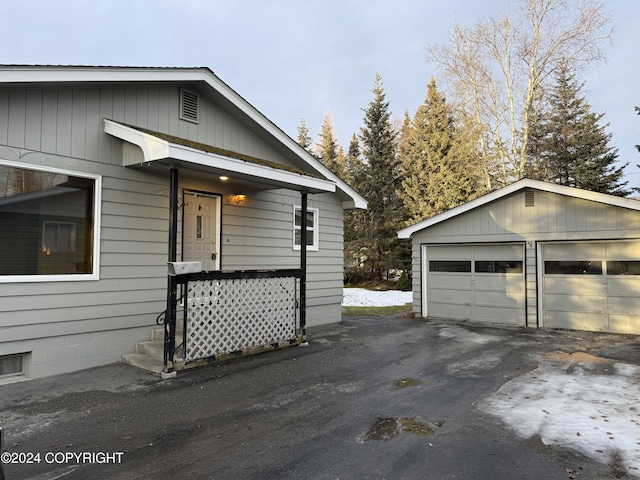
{"x":532,"y":254}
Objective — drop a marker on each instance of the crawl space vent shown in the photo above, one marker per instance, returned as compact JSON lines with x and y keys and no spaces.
{"x":189,"y":105}
{"x":529,"y":198}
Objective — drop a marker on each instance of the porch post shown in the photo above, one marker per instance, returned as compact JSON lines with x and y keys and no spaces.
{"x":303,"y":266}
{"x":170,"y":317}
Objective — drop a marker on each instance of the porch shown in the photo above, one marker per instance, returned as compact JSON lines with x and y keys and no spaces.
{"x":218,"y":316}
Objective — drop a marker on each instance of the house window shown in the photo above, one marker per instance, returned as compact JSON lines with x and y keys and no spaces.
{"x":12,"y":365}
{"x":48,"y":224}
{"x":58,"y":237}
{"x":312,"y":228}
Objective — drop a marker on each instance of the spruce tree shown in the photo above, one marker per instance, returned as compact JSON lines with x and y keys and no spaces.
{"x":440,"y":167}
{"x":376,"y":227}
{"x":304,"y":140}
{"x":572,"y":145}
{"x":327,"y":148}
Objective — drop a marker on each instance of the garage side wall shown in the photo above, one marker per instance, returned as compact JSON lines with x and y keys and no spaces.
{"x":541,"y":216}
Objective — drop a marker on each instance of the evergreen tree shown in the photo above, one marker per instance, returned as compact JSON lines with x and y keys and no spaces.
{"x":376,"y":227}
{"x":354,"y":167}
{"x":441,"y":172}
{"x":327,"y":149}
{"x":304,"y":140}
{"x":572,"y":146}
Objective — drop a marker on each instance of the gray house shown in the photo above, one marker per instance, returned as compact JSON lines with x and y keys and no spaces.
{"x":108,"y":173}
{"x":532,"y":254}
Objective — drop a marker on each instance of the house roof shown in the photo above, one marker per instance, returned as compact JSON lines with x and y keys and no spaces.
{"x":207,"y":81}
{"x":513,"y":188}
{"x":158,"y":148}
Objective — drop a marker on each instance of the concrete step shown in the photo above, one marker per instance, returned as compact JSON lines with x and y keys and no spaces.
{"x":149,"y":354}
{"x":158,"y":334}
{"x":153,"y":348}
{"x":143,"y":361}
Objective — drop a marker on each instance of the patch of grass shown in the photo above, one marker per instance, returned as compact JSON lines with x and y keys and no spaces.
{"x":376,"y":310}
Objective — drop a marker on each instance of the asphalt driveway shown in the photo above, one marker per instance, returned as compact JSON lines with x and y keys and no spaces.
{"x":371,"y":398}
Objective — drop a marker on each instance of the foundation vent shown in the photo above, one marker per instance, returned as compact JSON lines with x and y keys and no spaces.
{"x":529,"y":198}
{"x":189,"y":105}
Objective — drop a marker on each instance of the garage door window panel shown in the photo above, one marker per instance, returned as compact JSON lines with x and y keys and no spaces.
{"x":573,"y":267}
{"x":498,"y":266}
{"x":623,"y":267}
{"x":450,"y":266}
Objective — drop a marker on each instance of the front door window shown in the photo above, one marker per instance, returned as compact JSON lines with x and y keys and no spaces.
{"x":201,"y":227}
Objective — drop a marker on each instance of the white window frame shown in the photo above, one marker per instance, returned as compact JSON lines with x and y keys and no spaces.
{"x":97,"y":198}
{"x":314,"y":231}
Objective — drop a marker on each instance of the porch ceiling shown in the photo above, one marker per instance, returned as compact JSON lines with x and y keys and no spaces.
{"x":160,"y":150}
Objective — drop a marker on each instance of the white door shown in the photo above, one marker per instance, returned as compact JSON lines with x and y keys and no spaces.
{"x":592,"y":286}
{"x":479,"y":282}
{"x":201,"y":230}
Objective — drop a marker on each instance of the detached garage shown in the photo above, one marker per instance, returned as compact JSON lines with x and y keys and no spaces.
{"x":532,"y":254}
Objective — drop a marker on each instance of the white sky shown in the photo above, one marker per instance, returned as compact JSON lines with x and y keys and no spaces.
{"x":296,"y":59}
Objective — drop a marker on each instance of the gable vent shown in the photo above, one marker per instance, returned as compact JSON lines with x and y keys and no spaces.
{"x":529,"y":198}
{"x":189,"y":103}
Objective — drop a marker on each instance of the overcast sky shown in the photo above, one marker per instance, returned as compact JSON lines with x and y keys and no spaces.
{"x":294,"y":59}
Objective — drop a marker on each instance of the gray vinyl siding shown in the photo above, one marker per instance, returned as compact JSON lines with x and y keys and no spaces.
{"x":63,"y":128}
{"x":553,"y":217}
{"x":69,"y":122}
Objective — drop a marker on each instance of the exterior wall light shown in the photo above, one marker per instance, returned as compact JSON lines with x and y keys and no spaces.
{"x":238,"y":198}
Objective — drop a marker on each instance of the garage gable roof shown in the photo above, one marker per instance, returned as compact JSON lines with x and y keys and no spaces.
{"x":515,"y":187}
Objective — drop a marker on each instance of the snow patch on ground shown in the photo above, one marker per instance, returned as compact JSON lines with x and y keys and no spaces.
{"x":361,"y":297}
{"x":576,"y":405}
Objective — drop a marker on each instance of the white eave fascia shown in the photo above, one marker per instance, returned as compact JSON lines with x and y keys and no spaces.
{"x":514,"y":187}
{"x":154,"y":149}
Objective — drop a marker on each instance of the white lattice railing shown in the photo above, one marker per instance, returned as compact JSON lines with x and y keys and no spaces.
{"x":230,"y":315}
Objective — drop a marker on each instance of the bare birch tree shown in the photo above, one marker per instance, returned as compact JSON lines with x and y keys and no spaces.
{"x":498,"y":70}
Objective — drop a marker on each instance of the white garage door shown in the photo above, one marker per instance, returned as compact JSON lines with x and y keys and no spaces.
{"x":591,"y":286}
{"x":477,"y":282}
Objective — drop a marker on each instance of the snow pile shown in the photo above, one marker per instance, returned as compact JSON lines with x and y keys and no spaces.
{"x":578,"y":406}
{"x":361,"y":297}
